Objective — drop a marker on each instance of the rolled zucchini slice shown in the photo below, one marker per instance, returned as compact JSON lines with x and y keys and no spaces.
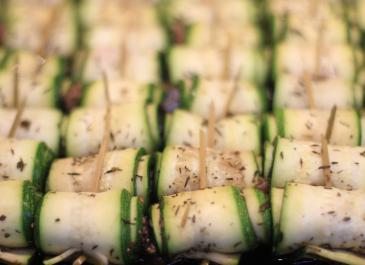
{"x":182,"y":223}
{"x":121,"y":92}
{"x":142,"y":66}
{"x":240,"y":132}
{"x":78,"y":174}
{"x":309,"y":125}
{"x":247,"y":98}
{"x":178,"y":170}
{"x":201,"y":34}
{"x":36,"y":124}
{"x":318,"y":216}
{"x":132,"y":125}
{"x":17,"y":213}
{"x":103,"y":224}
{"x":295,"y":58}
{"x":23,"y":33}
{"x":184,"y":61}
{"x":25,"y":160}
{"x":301,"y":162}
{"x":39,"y":80}
{"x":290,"y":92}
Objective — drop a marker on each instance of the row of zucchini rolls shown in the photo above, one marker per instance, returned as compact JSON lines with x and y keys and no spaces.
{"x":199,"y":130}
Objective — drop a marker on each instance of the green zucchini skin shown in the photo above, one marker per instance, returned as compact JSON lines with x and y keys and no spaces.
{"x":125,"y":200}
{"x":43,"y":160}
{"x":31,"y":199}
{"x":246,"y":225}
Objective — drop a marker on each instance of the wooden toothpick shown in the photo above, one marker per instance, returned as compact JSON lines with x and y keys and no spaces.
{"x":309,"y":89}
{"x":211,"y":125}
{"x":16,"y":91}
{"x":17,"y":119}
{"x":106,"y":138}
{"x":55,"y":14}
{"x":326,"y":166}
{"x":123,"y":58}
{"x":202,"y":161}
{"x":331,"y":122}
{"x":232,"y":92}
{"x":318,"y":49}
{"x":227,"y":57}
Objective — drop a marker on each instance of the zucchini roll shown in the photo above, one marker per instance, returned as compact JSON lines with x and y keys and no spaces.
{"x":178,"y":169}
{"x":311,"y":124}
{"x":25,"y":160}
{"x":183,"y":224}
{"x":305,"y":28}
{"x":132,"y":125}
{"x":39,"y":80}
{"x":36,"y":124}
{"x":104,"y":226}
{"x":121,"y":92}
{"x":200,"y":35}
{"x":208,"y":62}
{"x":339,"y":61}
{"x":122,"y":169}
{"x":301,"y":162}
{"x":290,"y":92}
{"x":240,"y":132}
{"x":320,"y":216}
{"x":26,"y":26}
{"x":17,"y":213}
{"x":198,"y":94}
{"x":140,"y":66}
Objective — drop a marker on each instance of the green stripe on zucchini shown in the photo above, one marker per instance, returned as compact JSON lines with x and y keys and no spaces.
{"x":164,"y":238}
{"x":266,"y":213}
{"x":29,"y":200}
{"x":246,"y":225}
{"x":43,"y":160}
{"x":125,"y":201}
{"x":139,"y":154}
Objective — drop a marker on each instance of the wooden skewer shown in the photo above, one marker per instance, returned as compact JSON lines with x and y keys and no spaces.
{"x":80,"y":260}
{"x":330,"y":123}
{"x":16,"y":83}
{"x":17,"y":119}
{"x":232,"y":92}
{"x":106,"y":138}
{"x":318,"y":51}
{"x":227,"y":57}
{"x":202,"y":161}
{"x":55,"y":14}
{"x":123,"y":59}
{"x":326,"y":166}
{"x":308,"y":86}
{"x":211,"y":125}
